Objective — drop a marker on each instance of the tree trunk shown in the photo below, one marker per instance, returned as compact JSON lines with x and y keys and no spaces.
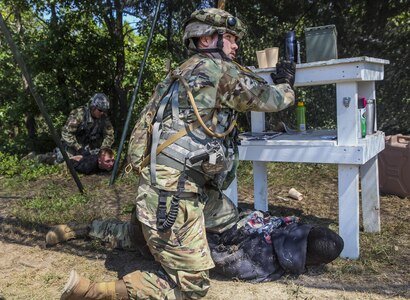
{"x":30,"y":121}
{"x":119,"y":105}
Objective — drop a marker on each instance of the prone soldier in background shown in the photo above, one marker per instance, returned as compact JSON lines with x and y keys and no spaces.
{"x":103,"y":161}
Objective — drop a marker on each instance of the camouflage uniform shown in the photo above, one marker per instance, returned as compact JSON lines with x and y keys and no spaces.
{"x":82,"y":130}
{"x":197,"y":103}
{"x":220,"y":88}
{"x":120,"y":235}
{"x":183,"y":251}
{"x":220,"y":214}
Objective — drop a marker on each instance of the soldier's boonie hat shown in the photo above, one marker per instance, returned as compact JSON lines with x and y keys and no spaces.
{"x":208,"y":21}
{"x":100,"y":101}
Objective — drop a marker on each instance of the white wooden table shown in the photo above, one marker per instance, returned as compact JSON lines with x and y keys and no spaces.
{"x":356,"y":156}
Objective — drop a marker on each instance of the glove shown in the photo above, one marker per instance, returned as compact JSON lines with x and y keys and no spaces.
{"x":285,"y":73}
{"x":83,"y":152}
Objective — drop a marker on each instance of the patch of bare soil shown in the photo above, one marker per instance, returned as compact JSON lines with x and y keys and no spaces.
{"x":29,"y":270}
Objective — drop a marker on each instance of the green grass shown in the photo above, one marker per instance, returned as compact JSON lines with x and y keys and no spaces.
{"x":50,"y":278}
{"x":288,"y":173}
{"x":383,"y":257}
{"x":50,"y":206}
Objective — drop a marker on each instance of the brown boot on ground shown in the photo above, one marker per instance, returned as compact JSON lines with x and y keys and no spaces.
{"x":62,"y":233}
{"x":80,"y":288}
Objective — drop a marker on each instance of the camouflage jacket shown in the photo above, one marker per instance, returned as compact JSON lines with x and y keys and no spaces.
{"x":82,"y":130}
{"x":222,"y":85}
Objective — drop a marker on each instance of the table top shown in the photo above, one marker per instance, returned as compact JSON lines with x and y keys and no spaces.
{"x":352,"y":69}
{"x":330,"y":62}
{"x":314,"y":146}
{"x":311,"y":137}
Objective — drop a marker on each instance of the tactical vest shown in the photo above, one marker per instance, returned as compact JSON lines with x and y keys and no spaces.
{"x":90,"y":135}
{"x":206,"y":156}
{"x":170,"y":131}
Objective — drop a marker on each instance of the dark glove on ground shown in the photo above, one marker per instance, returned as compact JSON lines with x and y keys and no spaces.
{"x":285,"y":73}
{"x":83,"y":152}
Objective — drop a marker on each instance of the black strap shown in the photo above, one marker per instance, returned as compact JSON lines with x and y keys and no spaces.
{"x":195,"y":174}
{"x":171,"y":216}
{"x":218,"y":49}
{"x":166,"y":221}
{"x":162,"y":208}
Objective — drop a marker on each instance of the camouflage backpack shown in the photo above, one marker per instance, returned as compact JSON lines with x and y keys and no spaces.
{"x":139,"y":143}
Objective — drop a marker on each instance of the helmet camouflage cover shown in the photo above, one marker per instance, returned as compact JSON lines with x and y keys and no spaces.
{"x":100,"y":101}
{"x":208,"y":21}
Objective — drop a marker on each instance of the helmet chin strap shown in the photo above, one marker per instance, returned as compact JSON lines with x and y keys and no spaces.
{"x":220,"y":45}
{"x":218,"y":49}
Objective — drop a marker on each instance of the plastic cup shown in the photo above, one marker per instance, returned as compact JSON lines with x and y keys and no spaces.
{"x":261,"y":56}
{"x":272,"y":55}
{"x":293,"y":193}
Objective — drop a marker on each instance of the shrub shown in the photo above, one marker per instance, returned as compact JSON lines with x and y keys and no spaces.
{"x":12,"y":166}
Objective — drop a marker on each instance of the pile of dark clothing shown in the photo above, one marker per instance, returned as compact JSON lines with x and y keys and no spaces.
{"x":262,"y":248}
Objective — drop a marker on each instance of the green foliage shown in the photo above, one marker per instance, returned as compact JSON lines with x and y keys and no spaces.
{"x":154,"y":71}
{"x":74,"y":49}
{"x":12,"y":166}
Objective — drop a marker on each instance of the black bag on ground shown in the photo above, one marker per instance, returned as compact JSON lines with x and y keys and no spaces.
{"x":250,"y":257}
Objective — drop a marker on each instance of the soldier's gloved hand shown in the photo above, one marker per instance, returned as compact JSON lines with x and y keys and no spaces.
{"x":83,"y":152}
{"x":285,"y":73}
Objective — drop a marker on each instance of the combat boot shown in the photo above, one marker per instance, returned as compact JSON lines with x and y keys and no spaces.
{"x":62,"y":233}
{"x":80,"y":288}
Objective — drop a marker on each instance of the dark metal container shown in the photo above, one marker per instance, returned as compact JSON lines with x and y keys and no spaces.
{"x":321,"y":43}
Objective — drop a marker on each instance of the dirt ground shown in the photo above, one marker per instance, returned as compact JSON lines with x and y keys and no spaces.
{"x":29,"y":270}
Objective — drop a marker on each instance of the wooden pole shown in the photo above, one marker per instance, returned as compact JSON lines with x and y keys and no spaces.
{"x":221,"y":4}
{"x":39,"y":101}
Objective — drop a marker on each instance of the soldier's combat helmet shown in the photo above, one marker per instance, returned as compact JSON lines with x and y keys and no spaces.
{"x":205,"y":22}
{"x":100,"y":101}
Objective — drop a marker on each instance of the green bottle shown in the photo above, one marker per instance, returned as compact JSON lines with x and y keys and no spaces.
{"x":362,"y":103}
{"x":363,"y":123}
{"x":300,"y":116}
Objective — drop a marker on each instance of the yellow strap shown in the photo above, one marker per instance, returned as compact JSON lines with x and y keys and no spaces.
{"x":198,"y":116}
{"x":199,"y":122}
{"x":214,"y":120}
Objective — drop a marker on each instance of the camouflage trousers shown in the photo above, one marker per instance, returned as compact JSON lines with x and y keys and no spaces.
{"x":121,"y":235}
{"x":166,"y":283}
{"x":182,"y":251}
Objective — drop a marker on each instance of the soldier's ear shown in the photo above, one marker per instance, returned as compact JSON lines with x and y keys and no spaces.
{"x":205,"y":41}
